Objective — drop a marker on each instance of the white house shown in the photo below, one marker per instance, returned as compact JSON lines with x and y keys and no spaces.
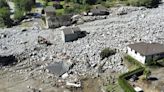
{"x":146,"y":52}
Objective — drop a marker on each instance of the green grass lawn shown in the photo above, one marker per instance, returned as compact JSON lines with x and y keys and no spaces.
{"x":50,"y":3}
{"x":59,"y":11}
{"x":62,"y":3}
{"x":113,"y":88}
{"x":41,"y":1}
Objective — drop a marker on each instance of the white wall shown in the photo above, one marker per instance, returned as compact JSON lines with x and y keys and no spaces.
{"x":136,"y":56}
{"x":63,"y":36}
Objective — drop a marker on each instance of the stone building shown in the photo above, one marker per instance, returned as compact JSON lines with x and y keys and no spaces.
{"x":58,"y":21}
{"x":72,"y":33}
{"x":99,"y":10}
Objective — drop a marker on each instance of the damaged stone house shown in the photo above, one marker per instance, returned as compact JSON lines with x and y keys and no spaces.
{"x":146,"y":52}
{"x":99,"y":10}
{"x":59,"y":68}
{"x":58,"y":21}
{"x":53,"y":21}
{"x":72,"y":33}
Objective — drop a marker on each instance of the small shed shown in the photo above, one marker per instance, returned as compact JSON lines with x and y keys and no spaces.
{"x":58,"y":68}
{"x":70,"y":34}
{"x":58,"y":21}
{"x":99,"y":10}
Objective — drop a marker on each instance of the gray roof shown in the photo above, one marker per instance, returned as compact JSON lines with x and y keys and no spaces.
{"x":49,"y":9}
{"x":70,"y":30}
{"x":148,"y":48}
{"x":58,"y":68}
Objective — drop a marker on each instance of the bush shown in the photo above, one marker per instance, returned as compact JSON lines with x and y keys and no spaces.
{"x":75,"y":8}
{"x":3,"y":3}
{"x":2,"y":23}
{"x":5,"y":17}
{"x":69,"y":10}
{"x":18,"y":14}
{"x":86,"y":7}
{"x":91,"y":2}
{"x":146,"y":3}
{"x":106,"y":53}
{"x":110,"y":3}
{"x":58,"y":6}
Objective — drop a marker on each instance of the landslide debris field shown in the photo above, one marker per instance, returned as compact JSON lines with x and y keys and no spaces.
{"x":31,"y":52}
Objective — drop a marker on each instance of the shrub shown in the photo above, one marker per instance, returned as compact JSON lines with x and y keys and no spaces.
{"x":2,"y":23}
{"x":68,"y":10}
{"x":18,"y":14}
{"x":3,"y":3}
{"x":110,"y":3}
{"x":5,"y":17}
{"x":57,"y":6}
{"x":86,"y":7}
{"x":106,"y":53}
{"x":146,"y":3}
{"x":76,"y":8}
{"x":91,"y":2}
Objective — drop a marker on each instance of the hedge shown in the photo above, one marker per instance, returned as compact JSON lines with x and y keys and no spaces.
{"x":123,"y":82}
{"x":146,"y":3}
{"x":125,"y":85}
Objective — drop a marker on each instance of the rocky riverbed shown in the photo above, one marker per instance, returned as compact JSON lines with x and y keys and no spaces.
{"x":36,"y":48}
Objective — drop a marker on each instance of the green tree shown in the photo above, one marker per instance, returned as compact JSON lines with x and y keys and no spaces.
{"x":24,"y":5}
{"x":1,"y":22}
{"x":18,"y":14}
{"x":4,"y":14}
{"x":3,"y":3}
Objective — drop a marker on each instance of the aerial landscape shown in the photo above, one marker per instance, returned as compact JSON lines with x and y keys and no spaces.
{"x":81,"y":45}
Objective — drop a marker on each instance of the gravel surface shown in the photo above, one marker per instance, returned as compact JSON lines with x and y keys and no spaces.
{"x":116,"y":32}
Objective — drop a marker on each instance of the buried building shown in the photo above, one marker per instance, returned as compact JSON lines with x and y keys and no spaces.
{"x":58,"y":21}
{"x":99,"y":10}
{"x":72,"y":33}
{"x":59,"y":68}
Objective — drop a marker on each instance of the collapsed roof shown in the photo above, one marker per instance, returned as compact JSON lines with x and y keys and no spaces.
{"x":59,"y":68}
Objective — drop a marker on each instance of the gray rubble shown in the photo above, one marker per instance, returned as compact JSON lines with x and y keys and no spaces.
{"x":115,"y":32}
